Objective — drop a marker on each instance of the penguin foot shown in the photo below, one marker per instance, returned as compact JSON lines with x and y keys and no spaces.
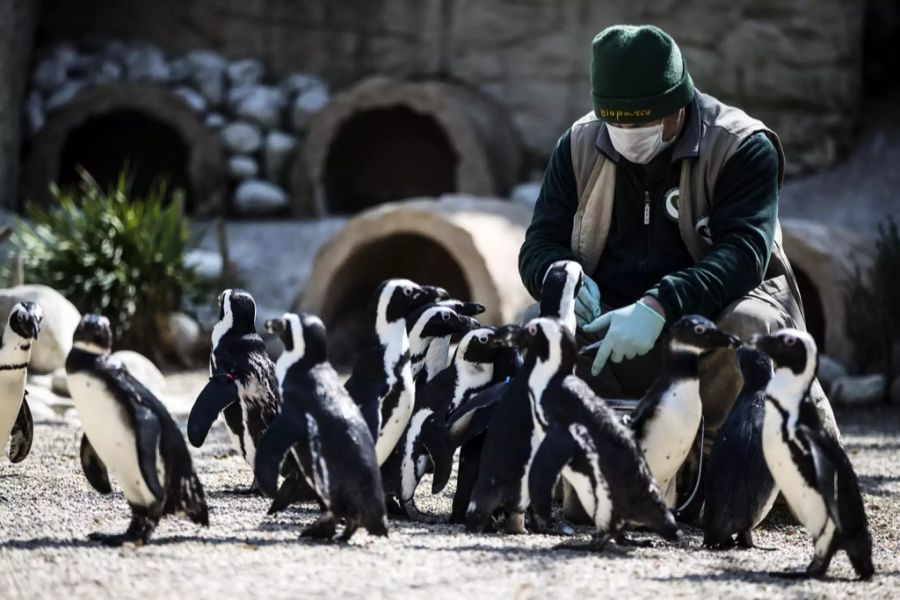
{"x":348,"y":532}
{"x":394,"y":508}
{"x":415,"y":514}
{"x":550,"y":526}
{"x":323,"y":529}
{"x":597,"y":543}
{"x":625,"y":541}
{"x":515,"y":524}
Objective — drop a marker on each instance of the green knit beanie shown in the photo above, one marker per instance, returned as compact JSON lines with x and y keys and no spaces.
{"x":638,"y":75}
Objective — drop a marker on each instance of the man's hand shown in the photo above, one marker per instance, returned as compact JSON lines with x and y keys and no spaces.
{"x":587,"y":302}
{"x":632,"y":332}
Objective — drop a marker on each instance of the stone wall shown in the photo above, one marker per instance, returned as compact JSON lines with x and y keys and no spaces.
{"x":795,"y":64}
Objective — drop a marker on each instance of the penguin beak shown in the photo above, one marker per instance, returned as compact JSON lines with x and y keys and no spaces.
{"x":435,"y":293}
{"x":467,"y":324}
{"x":511,"y":335}
{"x":275,"y":326}
{"x":470,"y":309}
{"x":720,"y":339}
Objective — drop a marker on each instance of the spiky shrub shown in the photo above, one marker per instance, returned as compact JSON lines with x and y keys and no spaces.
{"x":872,"y":304}
{"x":112,"y":252}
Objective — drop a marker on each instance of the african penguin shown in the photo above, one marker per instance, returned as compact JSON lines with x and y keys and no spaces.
{"x":16,"y":426}
{"x":430,"y":329}
{"x":242,"y":384}
{"x":668,"y":417}
{"x":508,"y":443}
{"x":321,"y":421}
{"x":382,"y":382}
{"x":129,"y":433}
{"x":739,"y":488}
{"x":581,"y":437}
{"x":810,"y":467}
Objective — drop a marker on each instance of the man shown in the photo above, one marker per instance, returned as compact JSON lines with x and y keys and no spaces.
{"x":668,"y":199}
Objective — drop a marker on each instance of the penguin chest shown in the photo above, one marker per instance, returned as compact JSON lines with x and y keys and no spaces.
{"x":396,"y":410}
{"x":413,"y":463}
{"x":670,"y":432}
{"x":586,"y":478}
{"x":12,"y":390}
{"x":805,"y":501}
{"x":111,"y":433}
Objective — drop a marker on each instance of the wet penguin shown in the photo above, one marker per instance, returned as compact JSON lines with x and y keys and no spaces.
{"x":582,"y":438}
{"x":668,"y":417}
{"x":810,"y":466}
{"x":509,"y":440}
{"x":16,"y":425}
{"x":324,"y":425}
{"x":242,"y":384}
{"x":740,"y":490}
{"x":130,"y":434}
{"x":382,"y":382}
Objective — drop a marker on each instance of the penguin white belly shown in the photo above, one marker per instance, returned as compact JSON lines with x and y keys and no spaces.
{"x":806,"y":503}
{"x":537,"y":438}
{"x":111,"y":434}
{"x":670,"y":433}
{"x":392,"y":428}
{"x":593,"y":495}
{"x":12,"y":389}
{"x":409,"y":467}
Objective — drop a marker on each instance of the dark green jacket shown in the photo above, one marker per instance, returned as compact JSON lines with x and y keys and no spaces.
{"x":651,"y":258}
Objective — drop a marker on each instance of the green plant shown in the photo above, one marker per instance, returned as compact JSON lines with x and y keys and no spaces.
{"x":112,"y":252}
{"x":873,"y":305}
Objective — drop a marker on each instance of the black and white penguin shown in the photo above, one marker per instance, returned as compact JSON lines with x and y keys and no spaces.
{"x":430,"y":330}
{"x":509,"y":441}
{"x":582,"y":438}
{"x":242,"y":384}
{"x":129,"y":433}
{"x":668,"y":417}
{"x":739,"y":488}
{"x":382,"y":382}
{"x":810,"y":466}
{"x":16,"y":425}
{"x":327,"y":431}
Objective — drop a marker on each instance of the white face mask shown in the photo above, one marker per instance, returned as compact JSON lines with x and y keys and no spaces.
{"x":638,"y":144}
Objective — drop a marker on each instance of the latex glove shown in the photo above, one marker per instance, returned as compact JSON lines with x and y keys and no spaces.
{"x":633,"y":330}
{"x":587,"y":302}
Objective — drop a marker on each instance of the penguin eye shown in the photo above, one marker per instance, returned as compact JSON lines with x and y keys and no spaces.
{"x":790,"y":340}
{"x":699,"y":329}
{"x":407,"y":291}
{"x":532,"y":329}
{"x":482,"y":339}
{"x":445,"y":317}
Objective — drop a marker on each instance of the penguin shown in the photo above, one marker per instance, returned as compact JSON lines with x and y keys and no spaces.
{"x":740,"y":490}
{"x":429,"y":348}
{"x":509,"y":440}
{"x":381,"y":383}
{"x":130,"y":434}
{"x":809,"y":465}
{"x":582,"y":438}
{"x":320,"y":419}
{"x":668,"y":417}
{"x":16,"y":425}
{"x":242,"y":384}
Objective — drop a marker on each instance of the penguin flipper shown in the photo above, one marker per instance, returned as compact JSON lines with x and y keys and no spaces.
{"x":473,"y":417}
{"x":284,"y":432}
{"x":436,"y":442}
{"x":148,"y":434}
{"x":93,"y":467}
{"x":293,"y":489}
{"x":22,"y":433}
{"x":554,"y":453}
{"x":218,"y":394}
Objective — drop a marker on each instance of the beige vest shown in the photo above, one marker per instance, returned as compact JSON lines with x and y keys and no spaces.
{"x":723,"y":128}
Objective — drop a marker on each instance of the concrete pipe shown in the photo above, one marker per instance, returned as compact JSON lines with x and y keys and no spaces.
{"x":823,"y":256}
{"x":152,"y":129}
{"x":386,"y":140}
{"x":466,"y":244}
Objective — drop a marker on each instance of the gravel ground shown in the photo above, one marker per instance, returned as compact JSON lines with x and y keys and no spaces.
{"x":48,"y":509}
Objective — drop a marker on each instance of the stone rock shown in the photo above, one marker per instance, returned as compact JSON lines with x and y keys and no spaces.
{"x":244,"y":73}
{"x":830,"y":370}
{"x":260,"y":197}
{"x":194,"y":99}
{"x":242,"y":167}
{"x":858,"y":391}
{"x":143,"y":369}
{"x":894,"y":393}
{"x":214,"y":121}
{"x":34,"y":112}
{"x":261,"y":105}
{"x":144,"y":62}
{"x":277,"y":152}
{"x":61,"y":318}
{"x":64,"y":94}
{"x":526,"y":194}
{"x":305,"y":106}
{"x":206,"y":263}
{"x":297,"y":83}
{"x":207,"y":72}
{"x":241,"y":137}
{"x":97,"y":69}
{"x":49,"y":74}
{"x":59,"y":385}
{"x":188,"y":341}
{"x":180,"y":70}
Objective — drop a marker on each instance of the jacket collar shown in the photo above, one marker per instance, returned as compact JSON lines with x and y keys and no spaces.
{"x":687,"y":145}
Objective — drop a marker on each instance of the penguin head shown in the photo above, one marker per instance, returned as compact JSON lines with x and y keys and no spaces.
{"x":545,"y":338}
{"x":469,"y":309}
{"x":481,"y":346}
{"x":696,"y":334}
{"x":789,"y":349}
{"x":561,"y":285}
{"x":436,"y":320}
{"x":303,"y":336}
{"x":237,"y":311}
{"x":397,"y":298}
{"x":25,"y":320}
{"x":93,"y":334}
{"x":756,"y":368}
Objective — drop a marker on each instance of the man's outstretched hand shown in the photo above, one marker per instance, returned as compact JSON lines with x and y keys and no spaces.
{"x":632,"y":331}
{"x":587,"y":302}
